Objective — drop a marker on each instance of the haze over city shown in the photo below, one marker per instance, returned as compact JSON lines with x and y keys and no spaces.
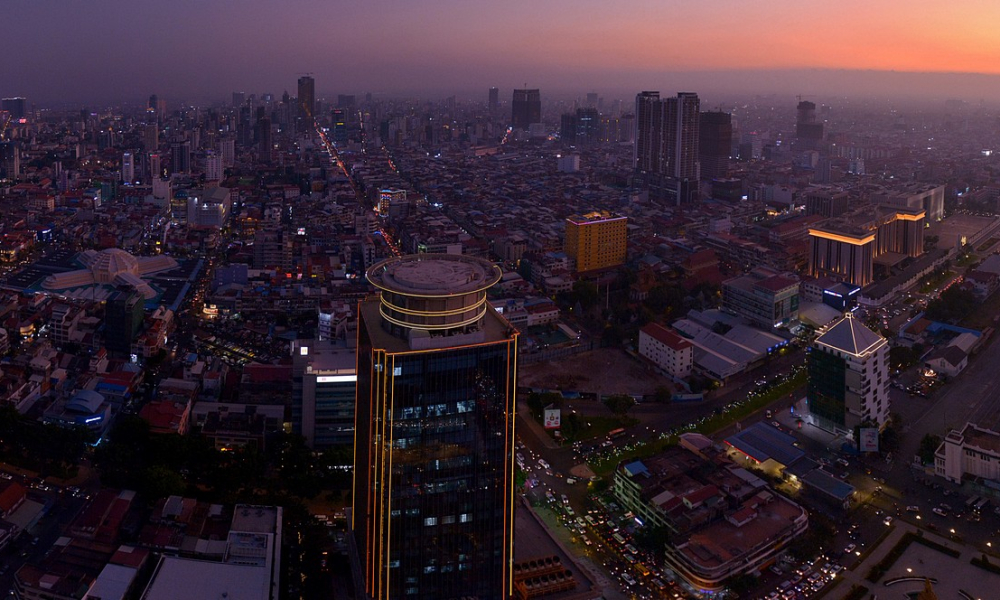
{"x":547,"y":300}
{"x":115,"y":51}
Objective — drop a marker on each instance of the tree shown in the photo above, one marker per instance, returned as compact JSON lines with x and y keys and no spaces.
{"x":953,"y":305}
{"x":665,"y":299}
{"x":570,"y":426}
{"x":889,"y":441}
{"x":890,"y":437}
{"x":741,"y":584}
{"x":613,"y":335}
{"x":652,"y":538}
{"x":816,"y":538}
{"x":663,"y":393}
{"x":901,"y":357}
{"x":928,"y":446}
{"x":619,"y":404}
{"x":586,"y":294}
{"x":159,"y":482}
{"x":538,"y":401}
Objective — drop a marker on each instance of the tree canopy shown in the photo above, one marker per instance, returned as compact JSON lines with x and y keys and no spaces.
{"x":953,"y":305}
{"x":619,"y":404}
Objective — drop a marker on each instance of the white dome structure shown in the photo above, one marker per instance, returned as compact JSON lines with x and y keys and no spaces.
{"x":112,"y":266}
{"x":109,"y":263}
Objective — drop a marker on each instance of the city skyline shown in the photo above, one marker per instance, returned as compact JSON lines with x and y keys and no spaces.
{"x":859,"y":49}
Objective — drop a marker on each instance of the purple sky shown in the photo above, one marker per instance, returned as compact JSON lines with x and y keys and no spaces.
{"x":197,"y":50}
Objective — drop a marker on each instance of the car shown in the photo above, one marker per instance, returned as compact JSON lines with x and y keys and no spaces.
{"x":912,"y":509}
{"x":939,"y":511}
{"x":887,"y":520}
{"x":850,"y":548}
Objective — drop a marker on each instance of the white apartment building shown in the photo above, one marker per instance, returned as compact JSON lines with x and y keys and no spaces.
{"x":666,"y":350}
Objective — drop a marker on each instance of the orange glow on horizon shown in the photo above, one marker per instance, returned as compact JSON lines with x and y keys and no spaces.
{"x":917,"y":36}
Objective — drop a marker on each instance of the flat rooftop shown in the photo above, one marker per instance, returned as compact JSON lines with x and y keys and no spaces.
{"x":434,"y":274}
{"x":722,"y":541}
{"x":957,"y":226}
{"x":983,"y":439}
{"x":255,"y":519}
{"x":324,"y":356}
{"x":203,"y":580}
{"x":762,"y":441}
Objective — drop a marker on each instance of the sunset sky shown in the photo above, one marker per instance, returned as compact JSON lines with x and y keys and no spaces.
{"x":76,"y":50}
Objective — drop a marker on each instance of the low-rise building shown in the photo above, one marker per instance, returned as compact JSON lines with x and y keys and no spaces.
{"x":764,"y":298}
{"x":947,"y":360}
{"x":972,"y":452}
{"x":667,"y":350}
{"x":724,"y":521}
{"x":249,"y":569}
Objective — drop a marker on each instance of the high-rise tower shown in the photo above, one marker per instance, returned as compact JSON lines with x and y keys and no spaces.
{"x":128,"y":168}
{"x":666,"y":146}
{"x":715,"y":143}
{"x":494,"y":102}
{"x":681,"y":123}
{"x":433,"y":499}
{"x":150,"y":137}
{"x":17,"y":107}
{"x":808,"y":131}
{"x":123,"y":316}
{"x":180,"y":157}
{"x":10,"y":160}
{"x":648,"y":132}
{"x":526,"y":108}
{"x":307,"y":98}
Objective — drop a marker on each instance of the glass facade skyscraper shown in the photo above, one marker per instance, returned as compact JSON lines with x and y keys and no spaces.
{"x":433,"y":490}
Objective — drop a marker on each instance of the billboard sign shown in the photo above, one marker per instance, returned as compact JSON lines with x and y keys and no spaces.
{"x":869,"y":439}
{"x":553,"y":418}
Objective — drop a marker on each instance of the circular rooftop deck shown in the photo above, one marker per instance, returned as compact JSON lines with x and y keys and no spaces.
{"x":434,"y":275}
{"x":433,"y":292}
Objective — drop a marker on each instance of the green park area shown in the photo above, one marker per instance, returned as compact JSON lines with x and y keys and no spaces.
{"x":733,"y":413}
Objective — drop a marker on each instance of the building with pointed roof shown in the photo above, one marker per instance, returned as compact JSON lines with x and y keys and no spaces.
{"x":848,"y":377}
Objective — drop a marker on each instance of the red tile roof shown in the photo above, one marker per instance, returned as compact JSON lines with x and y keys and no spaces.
{"x":701,"y":494}
{"x":665,"y":336}
{"x":164,"y":416}
{"x":11,"y":496}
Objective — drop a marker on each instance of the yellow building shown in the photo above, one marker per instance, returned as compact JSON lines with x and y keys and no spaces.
{"x":596,"y":240}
